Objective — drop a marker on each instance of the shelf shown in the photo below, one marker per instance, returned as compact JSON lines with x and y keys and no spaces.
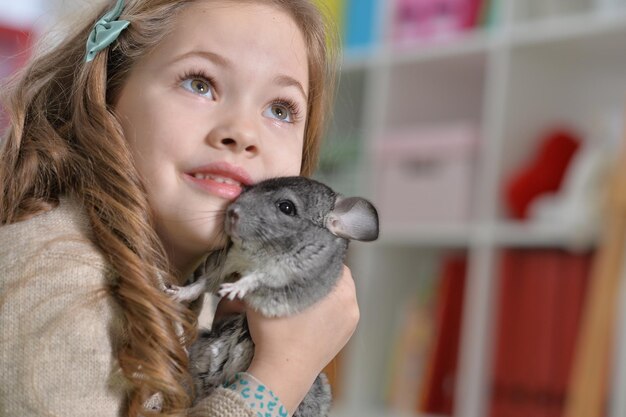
{"x":468,"y":43}
{"x":567,"y":27}
{"x":427,"y":235}
{"x":500,"y":235}
{"x":478,"y":42}
{"x":542,"y":235}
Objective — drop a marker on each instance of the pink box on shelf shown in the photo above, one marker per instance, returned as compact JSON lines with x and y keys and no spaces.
{"x":425,"y":175}
{"x":432,"y":20}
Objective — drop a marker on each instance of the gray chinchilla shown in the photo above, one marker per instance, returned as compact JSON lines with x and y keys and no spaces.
{"x":289,"y":237}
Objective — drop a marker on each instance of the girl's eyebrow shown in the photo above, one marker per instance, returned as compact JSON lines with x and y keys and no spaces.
{"x":218,"y":59}
{"x":288,"y":81}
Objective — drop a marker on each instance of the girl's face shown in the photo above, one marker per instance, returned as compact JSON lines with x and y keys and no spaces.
{"x":221,"y":102}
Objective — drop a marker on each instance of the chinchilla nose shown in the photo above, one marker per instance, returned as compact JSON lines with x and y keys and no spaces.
{"x":232,"y":216}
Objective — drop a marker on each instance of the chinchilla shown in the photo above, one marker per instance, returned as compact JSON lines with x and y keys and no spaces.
{"x":288,"y":241}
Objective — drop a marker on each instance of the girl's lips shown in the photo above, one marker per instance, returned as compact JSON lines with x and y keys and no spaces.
{"x":221,"y":179}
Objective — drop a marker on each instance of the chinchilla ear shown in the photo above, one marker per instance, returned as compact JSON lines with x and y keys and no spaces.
{"x":353,"y":218}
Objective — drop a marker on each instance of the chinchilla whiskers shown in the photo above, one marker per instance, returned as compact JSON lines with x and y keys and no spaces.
{"x":210,"y":215}
{"x":219,"y":235}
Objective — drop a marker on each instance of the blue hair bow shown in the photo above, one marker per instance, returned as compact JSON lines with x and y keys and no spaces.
{"x":105,"y":31}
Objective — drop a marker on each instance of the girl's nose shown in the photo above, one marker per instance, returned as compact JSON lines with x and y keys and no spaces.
{"x":236,"y":134}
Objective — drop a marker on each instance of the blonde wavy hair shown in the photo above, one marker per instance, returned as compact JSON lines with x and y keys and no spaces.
{"x":65,"y":140}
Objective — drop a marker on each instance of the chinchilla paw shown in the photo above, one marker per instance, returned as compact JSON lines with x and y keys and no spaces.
{"x":233,"y":290}
{"x":182,"y":294}
{"x":172,"y":291}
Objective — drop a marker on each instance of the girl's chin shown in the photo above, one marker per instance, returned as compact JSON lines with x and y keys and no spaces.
{"x":208,"y":242}
{"x":186,"y":250}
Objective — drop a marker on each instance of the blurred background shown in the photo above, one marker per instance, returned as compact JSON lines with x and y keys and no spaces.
{"x":489,"y":134}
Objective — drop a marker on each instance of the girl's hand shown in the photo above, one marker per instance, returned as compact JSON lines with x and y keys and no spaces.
{"x":291,"y":351}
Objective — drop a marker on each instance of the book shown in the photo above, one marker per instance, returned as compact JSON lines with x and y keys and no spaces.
{"x":409,"y":355}
{"x":540,"y":298}
{"x":360,"y":23}
{"x":488,"y":13}
{"x":542,"y":316}
{"x":473,"y":13}
{"x":517,"y":393}
{"x":573,"y":286}
{"x":434,"y":20}
{"x":437,"y":393}
{"x":505,"y":310}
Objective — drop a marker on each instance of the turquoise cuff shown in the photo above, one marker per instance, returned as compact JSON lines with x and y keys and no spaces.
{"x":105,"y":31}
{"x":257,"y":396}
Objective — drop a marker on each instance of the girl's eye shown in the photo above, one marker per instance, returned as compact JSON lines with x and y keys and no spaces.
{"x":282,"y":111}
{"x":279,"y":112}
{"x":198,"y":86}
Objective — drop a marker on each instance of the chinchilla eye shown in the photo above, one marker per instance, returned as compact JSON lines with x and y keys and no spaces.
{"x":287,"y":207}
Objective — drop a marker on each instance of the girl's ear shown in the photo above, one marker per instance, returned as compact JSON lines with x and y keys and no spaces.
{"x":353,"y":218}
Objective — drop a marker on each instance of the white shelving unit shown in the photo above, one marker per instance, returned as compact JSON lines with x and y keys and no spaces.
{"x":514,"y":79}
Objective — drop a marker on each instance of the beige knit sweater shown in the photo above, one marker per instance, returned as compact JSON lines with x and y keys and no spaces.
{"x":59,"y":329}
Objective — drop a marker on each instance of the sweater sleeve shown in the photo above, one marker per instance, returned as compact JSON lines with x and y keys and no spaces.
{"x":257,"y":395}
{"x":58,"y":329}
{"x":222,"y":402}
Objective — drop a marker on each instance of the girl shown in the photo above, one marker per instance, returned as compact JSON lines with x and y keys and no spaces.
{"x":118,"y":160}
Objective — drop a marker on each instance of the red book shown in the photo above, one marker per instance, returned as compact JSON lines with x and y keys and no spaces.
{"x":519,"y":397}
{"x":505,"y":314}
{"x":573,"y":282}
{"x":544,"y":276}
{"x":474,"y":8}
{"x":522,"y":370}
{"x":438,"y":388}
{"x":540,"y":302}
